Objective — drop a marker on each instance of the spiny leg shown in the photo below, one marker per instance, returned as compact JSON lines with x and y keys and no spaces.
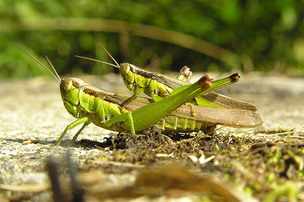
{"x":71,"y":126}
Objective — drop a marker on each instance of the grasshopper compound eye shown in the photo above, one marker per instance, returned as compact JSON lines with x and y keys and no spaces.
{"x":125,"y":68}
{"x":67,"y":84}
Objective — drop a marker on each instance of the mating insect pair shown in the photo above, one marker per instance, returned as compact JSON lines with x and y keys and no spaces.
{"x":166,"y":110}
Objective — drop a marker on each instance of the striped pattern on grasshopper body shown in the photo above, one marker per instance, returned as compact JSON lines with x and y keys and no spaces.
{"x":184,"y":124}
{"x":139,"y":81}
{"x":89,"y":104}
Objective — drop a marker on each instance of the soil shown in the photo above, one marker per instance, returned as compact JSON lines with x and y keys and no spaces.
{"x":235,"y":164}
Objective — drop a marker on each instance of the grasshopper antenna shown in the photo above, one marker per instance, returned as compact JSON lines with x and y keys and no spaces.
{"x":53,"y":68}
{"x":105,"y":50}
{"x":57,"y":77}
{"x":106,"y":63}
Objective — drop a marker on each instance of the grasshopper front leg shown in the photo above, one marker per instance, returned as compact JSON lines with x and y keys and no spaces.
{"x":72,"y":125}
{"x":136,"y":92}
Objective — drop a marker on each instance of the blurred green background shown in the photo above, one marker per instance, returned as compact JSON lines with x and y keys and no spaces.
{"x":160,"y":35}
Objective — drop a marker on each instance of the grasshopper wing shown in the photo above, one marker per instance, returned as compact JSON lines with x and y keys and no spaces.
{"x":242,"y":114}
{"x":223,"y":116}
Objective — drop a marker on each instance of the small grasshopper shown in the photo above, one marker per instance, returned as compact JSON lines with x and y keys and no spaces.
{"x":92,"y":105}
{"x":159,"y":86}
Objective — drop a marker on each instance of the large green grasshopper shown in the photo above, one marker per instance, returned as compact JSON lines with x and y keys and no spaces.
{"x":216,"y":106}
{"x":92,"y":105}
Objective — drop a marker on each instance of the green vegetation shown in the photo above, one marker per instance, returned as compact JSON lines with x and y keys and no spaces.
{"x":164,"y":35}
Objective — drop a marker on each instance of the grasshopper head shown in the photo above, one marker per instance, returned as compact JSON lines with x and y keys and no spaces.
{"x":68,"y":87}
{"x":127,"y":74}
{"x":125,"y":68}
{"x":69,"y":90}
